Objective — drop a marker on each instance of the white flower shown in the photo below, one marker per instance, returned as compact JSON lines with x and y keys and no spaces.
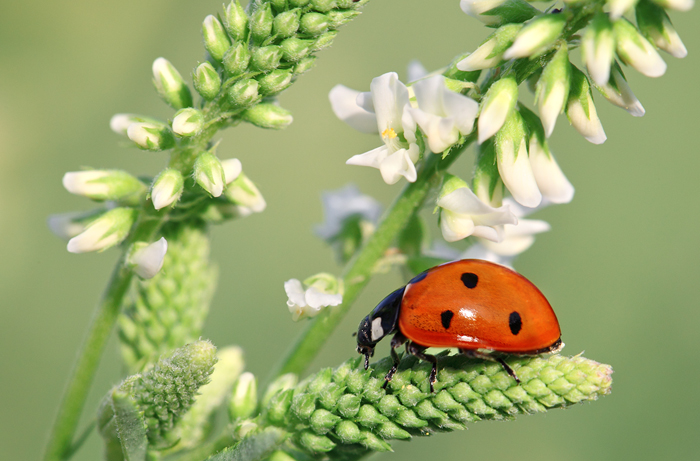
{"x":340,"y":204}
{"x":170,"y":85}
{"x":620,"y":7}
{"x":245,"y":196}
{"x":119,"y":123}
{"x":209,"y":173}
{"x":68,"y":225}
{"x":490,"y":52}
{"x":519,"y":237}
{"x":188,"y":122}
{"x":536,"y":36}
{"x":147,"y":260}
{"x":463,"y":214}
{"x":150,"y":136}
{"x":323,"y":291}
{"x":383,"y":110}
{"x":550,"y":180}
{"x":87,"y":183}
{"x":416,"y":71}
{"x":678,"y":5}
{"x":553,"y":88}
{"x":636,"y":51}
{"x":498,"y":103}
{"x":618,"y":92}
{"x":655,"y":24}
{"x":581,"y":111}
{"x":598,"y":47}
{"x":232,"y":169}
{"x":106,"y":231}
{"x":442,"y":114}
{"x":516,"y":171}
{"x":167,"y":188}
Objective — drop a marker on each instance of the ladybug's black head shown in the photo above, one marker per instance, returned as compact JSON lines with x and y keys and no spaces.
{"x":380,"y":322}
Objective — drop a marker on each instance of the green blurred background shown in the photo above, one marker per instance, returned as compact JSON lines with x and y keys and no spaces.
{"x":620,"y":265}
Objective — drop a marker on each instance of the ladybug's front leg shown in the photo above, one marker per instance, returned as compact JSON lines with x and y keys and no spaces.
{"x":417,"y":350}
{"x":396,"y":341}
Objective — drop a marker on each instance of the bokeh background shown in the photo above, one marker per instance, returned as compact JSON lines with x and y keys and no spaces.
{"x":620,"y":265}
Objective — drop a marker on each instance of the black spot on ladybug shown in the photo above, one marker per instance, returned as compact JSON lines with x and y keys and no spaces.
{"x":446,"y":318}
{"x":418,"y":278}
{"x":515,"y":323}
{"x":470,"y":279}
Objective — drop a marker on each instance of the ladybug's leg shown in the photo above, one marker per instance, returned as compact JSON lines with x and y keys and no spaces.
{"x":417,"y":350}
{"x":484,"y":356}
{"x":396,"y":341}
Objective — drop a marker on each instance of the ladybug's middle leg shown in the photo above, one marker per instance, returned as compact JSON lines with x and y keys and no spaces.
{"x":396,"y":341}
{"x":418,"y":350}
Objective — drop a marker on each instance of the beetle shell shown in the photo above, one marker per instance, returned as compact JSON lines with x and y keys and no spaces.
{"x":474,"y":304}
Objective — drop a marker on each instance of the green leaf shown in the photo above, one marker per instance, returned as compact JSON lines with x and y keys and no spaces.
{"x":131,"y":426}
{"x":254,"y":447}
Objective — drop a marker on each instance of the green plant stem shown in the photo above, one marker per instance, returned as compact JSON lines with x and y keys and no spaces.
{"x":359,"y":270}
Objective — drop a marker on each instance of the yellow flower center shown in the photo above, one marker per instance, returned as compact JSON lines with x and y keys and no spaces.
{"x":389,"y":133}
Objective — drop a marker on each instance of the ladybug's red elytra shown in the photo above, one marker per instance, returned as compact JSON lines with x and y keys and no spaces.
{"x":472,"y":305}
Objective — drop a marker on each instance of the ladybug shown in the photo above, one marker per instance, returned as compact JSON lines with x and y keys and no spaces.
{"x":472,"y":305}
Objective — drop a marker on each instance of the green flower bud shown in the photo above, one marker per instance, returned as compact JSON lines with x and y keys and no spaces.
{"x":216,"y":41}
{"x":314,"y":23}
{"x":101,"y":185}
{"x":119,"y":123}
{"x":339,"y":17}
{"x":293,"y":49}
{"x":298,"y":3}
{"x":245,"y":197}
{"x":146,"y":259}
{"x":107,"y":230}
{"x":655,"y":25}
{"x":236,"y":20}
{"x":348,"y":432}
{"x":151,"y":136}
{"x":188,"y":122}
{"x":236,"y":59}
{"x":325,"y":40}
{"x":496,"y":106}
{"x":267,"y":115}
{"x":275,"y":81}
{"x":167,"y":188}
{"x":206,"y":81}
{"x":349,"y":3}
{"x":244,"y":397}
{"x":244,"y":92}
{"x":170,"y":85}
{"x":487,"y":183}
{"x":305,"y":65}
{"x":282,"y":383}
{"x":315,"y":443}
{"x":279,"y":406}
{"x":266,"y":58}
{"x":168,"y":390}
{"x":209,"y":173}
{"x":324,"y":6}
{"x":278,"y":5}
{"x":322,"y":421}
{"x":261,"y":23}
{"x":537,"y":36}
{"x":286,"y":23}
{"x":68,"y":225}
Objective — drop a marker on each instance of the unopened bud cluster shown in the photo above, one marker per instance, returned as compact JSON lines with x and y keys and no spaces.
{"x":349,"y":405}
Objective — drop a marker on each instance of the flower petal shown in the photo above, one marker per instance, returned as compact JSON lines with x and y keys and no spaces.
{"x":295,"y":293}
{"x":389,"y":96}
{"x":344,"y":104}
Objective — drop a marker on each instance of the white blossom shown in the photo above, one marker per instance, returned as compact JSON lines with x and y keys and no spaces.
{"x":581,"y":110}
{"x":341,"y":204}
{"x":245,"y":197}
{"x":147,"y":260}
{"x":322,"y":291}
{"x":598,"y":48}
{"x":104,"y":232}
{"x":416,"y":71}
{"x":232,"y":169}
{"x":86,"y":183}
{"x":636,"y":51}
{"x":618,"y":92}
{"x":551,"y":182}
{"x":499,"y":102}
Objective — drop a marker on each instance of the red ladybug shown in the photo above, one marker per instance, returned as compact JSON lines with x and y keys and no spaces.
{"x":469,"y":304}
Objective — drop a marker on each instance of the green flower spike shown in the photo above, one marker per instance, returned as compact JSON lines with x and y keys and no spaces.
{"x":348,"y":410}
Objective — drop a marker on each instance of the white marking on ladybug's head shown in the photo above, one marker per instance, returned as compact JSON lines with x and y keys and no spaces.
{"x":377,"y":330}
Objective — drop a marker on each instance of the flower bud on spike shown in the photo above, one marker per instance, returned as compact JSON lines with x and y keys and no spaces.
{"x":537,"y":36}
{"x":305,"y":65}
{"x":314,"y":24}
{"x":498,"y":103}
{"x":209,"y":173}
{"x":339,"y":17}
{"x":619,"y":7}
{"x":618,"y":92}
{"x":581,"y":111}
{"x":206,"y":81}
{"x":274,"y":82}
{"x":236,"y":20}
{"x":68,"y":225}
{"x":654,"y":23}
{"x":495,"y":13}
{"x":261,"y":23}
{"x":598,"y":46}
{"x":108,"y":230}
{"x":244,"y":92}
{"x":237,"y":58}
{"x":216,"y":41}
{"x":552,"y":88}
{"x":324,"y":6}
{"x":147,"y":260}
{"x":325,"y":40}
{"x":490,"y":52}
{"x":232,"y":168}
{"x":170,"y":85}
{"x":244,"y":397}
{"x":513,"y":162}
{"x":487,"y":183}
{"x":286,"y":24}
{"x":151,"y":136}
{"x":245,"y":196}
{"x":266,"y":58}
{"x":268,"y":116}
{"x":298,"y":3}
{"x":101,"y":185}
{"x":636,"y":51}
{"x":188,"y":122}
{"x":119,"y":123}
{"x":281,"y":384}
{"x":167,"y":188}
{"x":293,"y":49}
{"x":678,"y":5}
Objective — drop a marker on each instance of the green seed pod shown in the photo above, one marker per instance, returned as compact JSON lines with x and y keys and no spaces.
{"x":314,"y":23}
{"x":324,"y":6}
{"x":261,"y":23}
{"x":305,"y":65}
{"x":215,"y":39}
{"x":294,"y":49}
{"x":339,"y":17}
{"x":286,"y":24}
{"x":236,"y":21}
{"x":268,"y":116}
{"x":206,"y":81}
{"x":275,"y":81}
{"x":244,"y":92}
{"x":325,"y":40}
{"x":236,"y":59}
{"x":266,"y":58}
